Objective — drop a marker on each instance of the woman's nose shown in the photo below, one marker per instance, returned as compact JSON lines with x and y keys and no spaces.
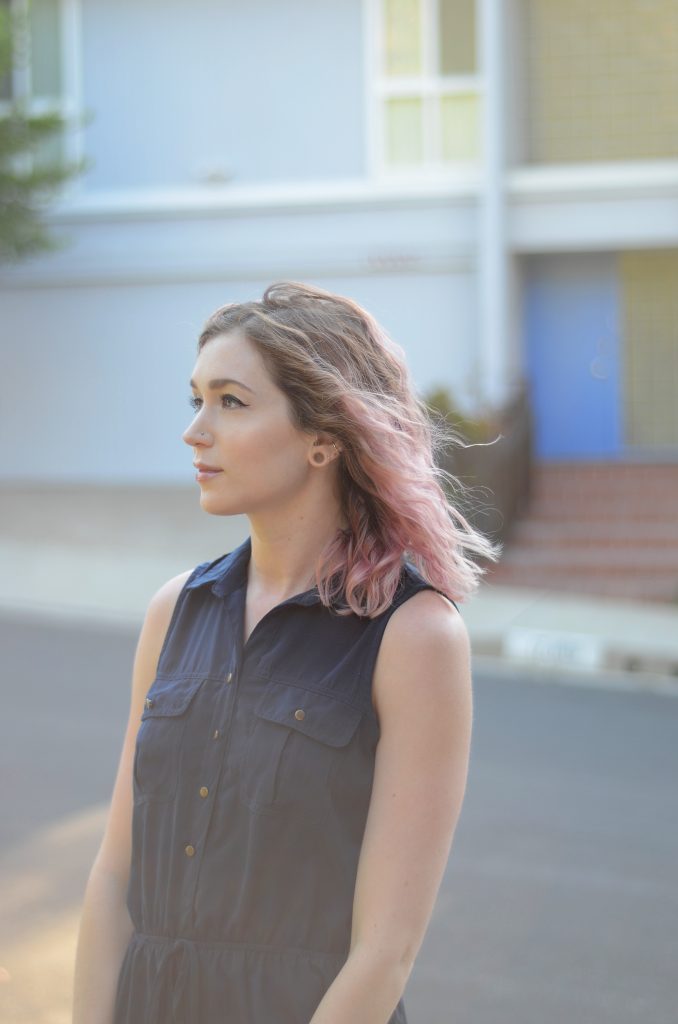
{"x":193,"y":436}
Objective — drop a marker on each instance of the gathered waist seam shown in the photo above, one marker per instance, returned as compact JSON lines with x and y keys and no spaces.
{"x":245,"y":946}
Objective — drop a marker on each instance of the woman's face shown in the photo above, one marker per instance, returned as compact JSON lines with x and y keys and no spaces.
{"x":248,"y":433}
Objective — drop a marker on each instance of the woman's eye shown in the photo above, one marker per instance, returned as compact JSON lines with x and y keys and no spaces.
{"x":195,"y":403}
{"x":231,"y":398}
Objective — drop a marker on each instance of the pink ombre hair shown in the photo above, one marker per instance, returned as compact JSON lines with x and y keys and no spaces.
{"x":344,"y":376}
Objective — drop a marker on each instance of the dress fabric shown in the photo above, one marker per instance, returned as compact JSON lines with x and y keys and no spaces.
{"x":253,"y":771}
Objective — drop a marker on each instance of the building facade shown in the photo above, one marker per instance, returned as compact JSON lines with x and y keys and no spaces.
{"x":496,"y":180}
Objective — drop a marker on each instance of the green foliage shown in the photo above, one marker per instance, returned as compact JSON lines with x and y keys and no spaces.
{"x":28,"y":181}
{"x":471,"y":429}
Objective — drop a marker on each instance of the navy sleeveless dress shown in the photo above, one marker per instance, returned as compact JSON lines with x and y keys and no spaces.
{"x":252,"y":777}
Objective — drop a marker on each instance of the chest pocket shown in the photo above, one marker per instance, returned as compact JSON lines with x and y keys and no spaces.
{"x":157,"y":757}
{"x":299,"y":738}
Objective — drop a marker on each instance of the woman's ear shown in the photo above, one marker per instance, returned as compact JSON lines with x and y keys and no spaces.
{"x":323,"y":450}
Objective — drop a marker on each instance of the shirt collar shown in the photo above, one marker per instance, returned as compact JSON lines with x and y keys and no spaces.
{"x":229,"y":573}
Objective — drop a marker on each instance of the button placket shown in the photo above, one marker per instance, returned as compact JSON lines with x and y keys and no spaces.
{"x":228,"y":678}
{"x":213,"y":769}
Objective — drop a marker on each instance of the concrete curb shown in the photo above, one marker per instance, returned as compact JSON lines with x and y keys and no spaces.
{"x":516,"y":670}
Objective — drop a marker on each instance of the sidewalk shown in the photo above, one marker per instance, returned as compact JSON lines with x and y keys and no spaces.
{"x":98,"y":556}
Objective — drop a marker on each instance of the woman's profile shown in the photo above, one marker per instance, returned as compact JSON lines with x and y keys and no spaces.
{"x":297,"y":748}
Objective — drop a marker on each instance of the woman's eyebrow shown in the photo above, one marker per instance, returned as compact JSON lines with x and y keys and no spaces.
{"x":221,"y":382}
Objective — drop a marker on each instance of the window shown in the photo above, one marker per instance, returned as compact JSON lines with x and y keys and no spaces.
{"x":42,"y":75}
{"x":427,"y":96}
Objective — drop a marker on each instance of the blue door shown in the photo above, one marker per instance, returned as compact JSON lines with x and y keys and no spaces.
{"x":572,"y":323}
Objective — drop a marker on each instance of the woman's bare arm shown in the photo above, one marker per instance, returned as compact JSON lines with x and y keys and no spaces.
{"x":423,"y":695}
{"x":105,"y":925}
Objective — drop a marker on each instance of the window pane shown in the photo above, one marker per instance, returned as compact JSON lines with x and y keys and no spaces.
{"x":45,"y":47}
{"x":5,"y":51}
{"x":402,"y":36}
{"x":404,"y":131}
{"x":457,"y":36}
{"x":460,"y":126}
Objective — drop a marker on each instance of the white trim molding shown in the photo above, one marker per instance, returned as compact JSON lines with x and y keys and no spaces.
{"x":618,"y":180}
{"x":354,"y":229}
{"x":606,"y":207}
{"x":303,"y":196}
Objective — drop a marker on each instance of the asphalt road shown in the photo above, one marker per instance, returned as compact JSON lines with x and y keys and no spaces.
{"x":559,"y":903}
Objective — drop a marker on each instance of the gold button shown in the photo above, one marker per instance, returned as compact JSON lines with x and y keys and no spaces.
{"x":216,"y":734}
{"x":229,"y":677}
{"x":189,"y":850}
{"x":204,"y":791}
{"x":149,"y":702}
{"x":300,"y":714}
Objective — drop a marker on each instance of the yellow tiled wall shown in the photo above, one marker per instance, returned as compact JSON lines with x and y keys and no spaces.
{"x":602,"y":80}
{"x":649,"y":285}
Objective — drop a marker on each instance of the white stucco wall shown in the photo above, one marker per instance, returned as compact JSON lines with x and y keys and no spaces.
{"x":176,"y":89}
{"x":99,"y":341}
{"x":99,"y":375}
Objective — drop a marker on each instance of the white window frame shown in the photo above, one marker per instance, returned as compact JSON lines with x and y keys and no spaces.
{"x":381,"y":87}
{"x":69,"y":103}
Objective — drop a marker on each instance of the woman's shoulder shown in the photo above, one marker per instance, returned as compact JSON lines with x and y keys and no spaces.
{"x":423,"y":616}
{"x":425,"y":643}
{"x":425,"y":609}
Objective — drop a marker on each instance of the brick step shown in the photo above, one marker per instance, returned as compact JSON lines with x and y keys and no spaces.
{"x":618,"y":470}
{"x":600,"y":528}
{"x":540,"y":533}
{"x":633,"y":588}
{"x":633,"y":495}
{"x":605,"y":484}
{"x":603,"y":490}
{"x":586,"y":509}
{"x":587,"y":560}
{"x":610,"y":477}
{"x":592,"y":572}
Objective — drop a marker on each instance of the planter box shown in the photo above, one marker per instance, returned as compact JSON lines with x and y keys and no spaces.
{"x":498,"y":472}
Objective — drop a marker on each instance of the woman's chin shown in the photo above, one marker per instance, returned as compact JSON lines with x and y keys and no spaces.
{"x":217,"y":505}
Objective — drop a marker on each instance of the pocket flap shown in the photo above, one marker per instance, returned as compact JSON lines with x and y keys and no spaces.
{"x":170,"y":696}
{"x":318,"y":715}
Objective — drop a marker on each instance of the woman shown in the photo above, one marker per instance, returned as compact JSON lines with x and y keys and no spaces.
{"x":297,"y":748}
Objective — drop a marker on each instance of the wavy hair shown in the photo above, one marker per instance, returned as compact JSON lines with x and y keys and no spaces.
{"x":343,"y":375}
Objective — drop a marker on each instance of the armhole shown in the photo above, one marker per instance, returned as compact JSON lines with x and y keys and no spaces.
{"x":447,"y":597}
{"x":175,"y":612}
{"x":421,"y":583}
{"x":429,"y":586}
